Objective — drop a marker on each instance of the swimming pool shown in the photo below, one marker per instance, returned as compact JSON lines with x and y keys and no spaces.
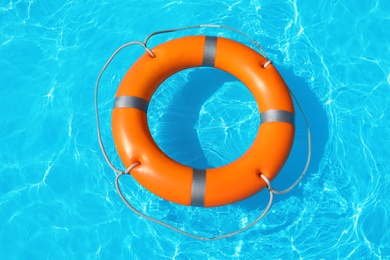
{"x":58,"y":195}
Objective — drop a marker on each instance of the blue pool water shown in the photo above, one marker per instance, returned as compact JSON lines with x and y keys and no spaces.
{"x":58,"y":199}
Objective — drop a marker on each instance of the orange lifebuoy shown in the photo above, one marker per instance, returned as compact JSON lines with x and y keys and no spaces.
{"x":182,"y":184}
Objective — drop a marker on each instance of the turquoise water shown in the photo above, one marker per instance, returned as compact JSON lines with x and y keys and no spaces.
{"x":58,"y":199}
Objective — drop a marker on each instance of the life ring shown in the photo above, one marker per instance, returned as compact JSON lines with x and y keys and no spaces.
{"x":182,"y":184}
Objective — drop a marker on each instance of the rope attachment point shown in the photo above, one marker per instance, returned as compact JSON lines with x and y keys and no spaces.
{"x":151,"y":53}
{"x":269,"y":186}
{"x":131,"y":167}
{"x":265,"y":65}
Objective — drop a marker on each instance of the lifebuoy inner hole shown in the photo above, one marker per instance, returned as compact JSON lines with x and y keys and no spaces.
{"x":203,"y":117}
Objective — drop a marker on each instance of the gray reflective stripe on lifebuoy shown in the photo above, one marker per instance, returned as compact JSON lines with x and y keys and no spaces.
{"x":210,"y":48}
{"x":277,"y":116}
{"x":198,"y":187}
{"x":131,"y":102}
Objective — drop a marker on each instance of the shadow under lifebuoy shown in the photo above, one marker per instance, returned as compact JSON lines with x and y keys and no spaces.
{"x":177,"y":137}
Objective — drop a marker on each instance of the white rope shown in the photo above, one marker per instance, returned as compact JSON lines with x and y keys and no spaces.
{"x":182,"y":231}
{"x":209,"y":26}
{"x":96,"y":103}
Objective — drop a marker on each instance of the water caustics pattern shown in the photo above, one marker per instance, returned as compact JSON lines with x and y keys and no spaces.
{"x":58,"y":199}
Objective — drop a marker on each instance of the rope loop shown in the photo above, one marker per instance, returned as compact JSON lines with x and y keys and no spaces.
{"x":162,"y":223}
{"x":207,"y":26}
